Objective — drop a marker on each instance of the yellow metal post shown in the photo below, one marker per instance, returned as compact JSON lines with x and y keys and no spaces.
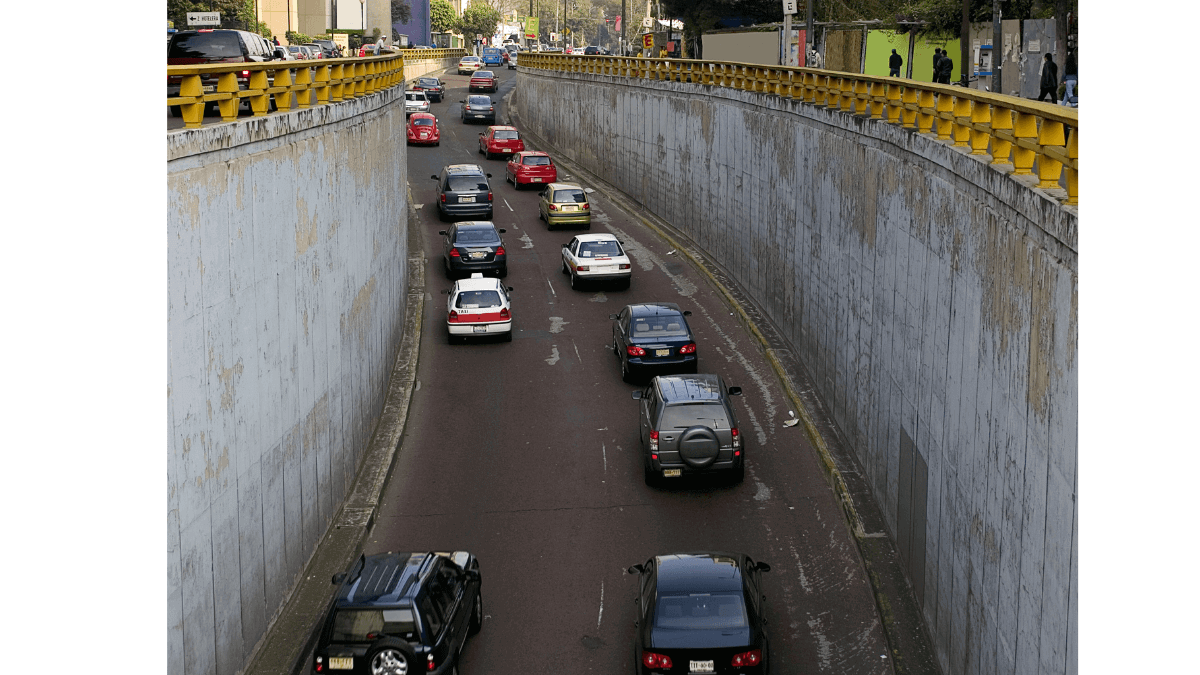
{"x":304,"y":91}
{"x":227,"y":84}
{"x":1001,"y":147}
{"x":193,"y":113}
{"x":878,"y":100}
{"x":945,"y":109}
{"x":860,"y":97}
{"x":283,"y":99}
{"x":1050,"y":170}
{"x":962,"y":121}
{"x":924,"y":107}
{"x":893,"y":103}
{"x":1024,"y":129}
{"x":260,"y":101}
{"x":981,"y":114}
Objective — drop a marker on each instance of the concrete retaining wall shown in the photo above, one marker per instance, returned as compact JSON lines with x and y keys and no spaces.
{"x":286,"y":299}
{"x":933,"y":300}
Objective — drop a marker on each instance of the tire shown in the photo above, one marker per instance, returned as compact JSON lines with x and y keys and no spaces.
{"x":564,"y":269}
{"x":391,"y":657}
{"x":477,"y":612}
{"x":651,"y":477}
{"x":451,"y":339}
{"x":508,"y":336}
{"x":626,"y":375}
{"x":481,"y":150}
{"x":574,"y":282}
{"x":449,"y":274}
{"x":503,"y":272}
{"x":176,"y":111}
{"x":739,"y":474}
{"x":625,"y":285}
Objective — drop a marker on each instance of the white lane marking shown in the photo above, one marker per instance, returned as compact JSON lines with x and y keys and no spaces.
{"x":506,"y":203}
{"x":803,"y":579}
{"x":604,"y":453}
{"x":551,"y":287}
{"x":762,"y":493}
{"x":418,"y":206}
{"x":577,"y":352}
{"x":553,"y":355}
{"x":601,"y":617}
{"x":824,"y":646}
{"x":529,"y":244}
{"x":599,"y":297}
{"x":557,"y":323}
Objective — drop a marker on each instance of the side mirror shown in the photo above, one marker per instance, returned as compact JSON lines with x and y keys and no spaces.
{"x":637,"y":395}
{"x":613,"y":317}
{"x":433,"y":177}
{"x":339,"y":578}
{"x":508,"y":288}
{"x":687,"y":313}
{"x":763,"y":567}
{"x":445,"y":292}
{"x":502,"y":230}
{"x":481,"y":134}
{"x":473,"y":575}
{"x":442,"y":232}
{"x":635,"y":569}
{"x":462,"y":101}
{"x":735,"y":391}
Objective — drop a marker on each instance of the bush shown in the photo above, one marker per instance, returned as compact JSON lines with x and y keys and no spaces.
{"x":295,"y":38}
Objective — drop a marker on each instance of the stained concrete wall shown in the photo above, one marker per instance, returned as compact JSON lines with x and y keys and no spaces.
{"x":287,"y":251}
{"x":931,"y":297}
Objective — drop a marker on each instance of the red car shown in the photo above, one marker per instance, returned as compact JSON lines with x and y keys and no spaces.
{"x":500,"y":141}
{"x":423,"y":130}
{"x":483,"y":80}
{"x":533,"y":166}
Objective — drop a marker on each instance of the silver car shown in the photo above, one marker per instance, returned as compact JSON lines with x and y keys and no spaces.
{"x":415,"y":101}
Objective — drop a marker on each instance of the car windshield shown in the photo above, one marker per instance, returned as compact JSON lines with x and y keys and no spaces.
{"x":422,"y":122}
{"x":506,"y":135}
{"x":599,"y":249}
{"x":477,"y":299}
{"x":700,"y":611}
{"x":205,"y":46}
{"x":466,"y":183}
{"x":366,"y":625}
{"x":684,"y":415}
{"x":536,"y":161}
{"x":473,"y":236}
{"x":569,"y":195}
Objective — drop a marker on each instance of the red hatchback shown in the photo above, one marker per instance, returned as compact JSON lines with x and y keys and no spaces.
{"x":483,"y":80}
{"x":500,"y":141}
{"x":423,"y":130}
{"x":530,"y":167}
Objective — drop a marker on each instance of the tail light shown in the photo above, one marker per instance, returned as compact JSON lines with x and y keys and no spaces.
{"x":750,"y":658}
{"x":453,"y":318}
{"x":491,"y":107}
{"x":489,"y":196}
{"x":454,"y":253}
{"x":443,"y":197}
{"x":586,"y":206}
{"x":500,"y":251}
{"x":245,"y":73}
{"x":504,"y":315}
{"x":584,"y":268}
{"x":737,"y":437}
{"x":553,"y":207}
{"x":624,"y":267}
{"x":634,"y":350}
{"x":320,"y":665}
{"x":652,"y":660}
{"x":689,"y":348}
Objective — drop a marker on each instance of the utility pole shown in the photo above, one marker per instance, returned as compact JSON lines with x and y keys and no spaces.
{"x":997,"y":48}
{"x":964,"y":44}
{"x":621,"y":33}
{"x":808,"y":30}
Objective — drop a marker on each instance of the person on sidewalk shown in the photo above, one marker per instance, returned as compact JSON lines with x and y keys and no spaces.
{"x":1049,"y":79}
{"x":937,"y":61}
{"x":1070,"y":77}
{"x":946,"y":68}
{"x":894,"y":63}
{"x":814,"y":58}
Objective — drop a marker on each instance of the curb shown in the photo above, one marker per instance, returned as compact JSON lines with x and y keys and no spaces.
{"x":887,"y":585}
{"x":278,"y":652}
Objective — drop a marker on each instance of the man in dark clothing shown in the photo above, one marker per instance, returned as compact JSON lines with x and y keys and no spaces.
{"x":894,"y":63}
{"x":937,"y":62}
{"x":1049,"y":80}
{"x":1070,"y":78}
{"x":276,"y":40}
{"x":946,"y":66}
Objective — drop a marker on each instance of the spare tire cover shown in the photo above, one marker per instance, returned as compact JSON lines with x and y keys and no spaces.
{"x":698,"y":446}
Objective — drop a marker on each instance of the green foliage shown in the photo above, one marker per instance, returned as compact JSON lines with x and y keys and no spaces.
{"x":479,"y":18}
{"x":442,"y":18}
{"x":295,"y":38}
{"x":401,"y":11}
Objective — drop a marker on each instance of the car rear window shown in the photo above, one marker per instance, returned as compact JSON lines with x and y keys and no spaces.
{"x":422,"y":122}
{"x":477,"y":299}
{"x":476,"y":237}
{"x":205,"y":46}
{"x":599,"y":249}
{"x":569,"y":195}
{"x":466,"y":183}
{"x":485,"y":74}
{"x":414,"y":95}
{"x":536,"y":161}
{"x":479,"y":100}
{"x":700,"y":611}
{"x":506,"y":136}
{"x":428,"y":82}
{"x":661,"y":325}
{"x":366,"y":625}
{"x":684,"y":415}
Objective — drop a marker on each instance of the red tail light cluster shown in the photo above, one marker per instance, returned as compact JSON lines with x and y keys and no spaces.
{"x":652,"y":660}
{"x":737,"y":437}
{"x":504,"y":315}
{"x":454,"y":253}
{"x":654,"y":444}
{"x":624,"y":267}
{"x":443,"y":197}
{"x":453,"y":318}
{"x":689,"y":348}
{"x":500,"y":251}
{"x":489,"y":196}
{"x":587,"y":206}
{"x":634,"y":350}
{"x":750,"y":658}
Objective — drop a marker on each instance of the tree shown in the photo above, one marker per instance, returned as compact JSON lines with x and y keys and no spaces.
{"x":401,"y":12}
{"x":246,"y":16}
{"x":442,"y":18}
{"x":479,"y":19}
{"x":295,"y":38}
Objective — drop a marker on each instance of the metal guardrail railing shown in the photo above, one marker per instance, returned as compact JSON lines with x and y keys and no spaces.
{"x":313,"y":82}
{"x":1012,"y":130}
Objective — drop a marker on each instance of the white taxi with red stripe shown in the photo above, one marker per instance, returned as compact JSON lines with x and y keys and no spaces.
{"x":479,"y":307}
{"x":596,"y":257}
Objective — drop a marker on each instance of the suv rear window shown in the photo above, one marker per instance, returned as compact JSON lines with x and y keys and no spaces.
{"x":365,"y":625}
{"x":684,"y":415}
{"x":205,"y":46}
{"x":477,"y":299}
{"x":466,"y":183}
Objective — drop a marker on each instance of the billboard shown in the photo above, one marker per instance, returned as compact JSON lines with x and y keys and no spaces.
{"x":531,"y":27}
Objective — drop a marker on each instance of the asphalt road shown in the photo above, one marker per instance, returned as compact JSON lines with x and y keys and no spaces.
{"x":526,"y":454}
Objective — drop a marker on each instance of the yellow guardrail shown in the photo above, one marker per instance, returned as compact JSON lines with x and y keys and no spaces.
{"x":1012,"y":130}
{"x":313,"y":82}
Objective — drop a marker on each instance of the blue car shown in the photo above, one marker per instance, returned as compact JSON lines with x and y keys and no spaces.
{"x":493,"y":56}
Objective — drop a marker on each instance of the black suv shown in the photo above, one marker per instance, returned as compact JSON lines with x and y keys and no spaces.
{"x":687,"y":427}
{"x":463,"y":192}
{"x":196,"y":47}
{"x":397,"y":613}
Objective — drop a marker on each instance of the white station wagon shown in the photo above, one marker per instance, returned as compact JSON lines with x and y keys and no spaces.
{"x":596,"y":257}
{"x":478,"y":307}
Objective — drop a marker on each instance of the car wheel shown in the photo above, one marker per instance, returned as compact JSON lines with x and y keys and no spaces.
{"x":176,"y":111}
{"x":477,"y":612}
{"x":481,"y":150}
{"x":508,"y":336}
{"x":626,"y":376}
{"x":739,"y":474}
{"x":565,"y":269}
{"x":625,"y":284}
{"x":449,"y":274}
{"x":574,"y":282}
{"x":650,"y":476}
{"x":441,"y":215}
{"x":391,"y":657}
{"x":451,"y":339}
{"x":503,"y":272}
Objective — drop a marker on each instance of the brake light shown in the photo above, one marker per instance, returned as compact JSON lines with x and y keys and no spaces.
{"x":491,"y":107}
{"x":689,"y":348}
{"x":504,"y":315}
{"x":624,"y":267}
{"x":454,"y":253}
{"x":453,"y":318}
{"x":586,"y":206}
{"x":750,"y":658}
{"x":443,"y":197}
{"x":654,"y":444}
{"x":634,"y":350}
{"x":489,"y":196}
{"x":245,"y":73}
{"x":320,"y":664}
{"x":737,"y":438}
{"x":652,"y":660}
{"x":500,"y":251}
{"x":553,"y":207}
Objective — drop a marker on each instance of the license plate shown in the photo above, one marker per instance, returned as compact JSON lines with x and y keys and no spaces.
{"x":537,"y":180}
{"x":570,"y":208}
{"x":662,"y":352}
{"x":477,"y":256}
{"x":676,"y":473}
{"x":341,"y":663}
{"x":479,"y":329}
{"x":505,"y":149}
{"x":466,"y":200}
{"x":700,"y":666}
{"x":210,"y":88}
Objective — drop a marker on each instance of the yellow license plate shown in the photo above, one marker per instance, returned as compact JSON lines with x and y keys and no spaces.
{"x":341,"y":663}
{"x":208,"y":89}
{"x":537,"y":180}
{"x":662,"y":352}
{"x":569,"y":208}
{"x":672,"y":473}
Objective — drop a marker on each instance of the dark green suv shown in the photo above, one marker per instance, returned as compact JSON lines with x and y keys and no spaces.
{"x":687,"y":426}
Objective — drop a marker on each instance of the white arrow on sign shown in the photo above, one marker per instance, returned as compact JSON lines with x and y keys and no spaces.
{"x":789,"y":6}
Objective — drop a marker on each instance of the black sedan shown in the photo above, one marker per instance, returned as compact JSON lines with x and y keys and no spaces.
{"x":478,"y":109}
{"x":473,"y":246}
{"x":434,"y":88}
{"x":653,"y":337}
{"x":700,"y":613}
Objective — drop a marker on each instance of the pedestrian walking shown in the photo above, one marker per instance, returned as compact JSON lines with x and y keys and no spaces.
{"x":937,"y":65}
{"x":276,"y":40}
{"x":1049,"y":79}
{"x":1070,"y":78}
{"x":946,"y":68}
{"x":814,"y":58}
{"x":894,"y":63}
